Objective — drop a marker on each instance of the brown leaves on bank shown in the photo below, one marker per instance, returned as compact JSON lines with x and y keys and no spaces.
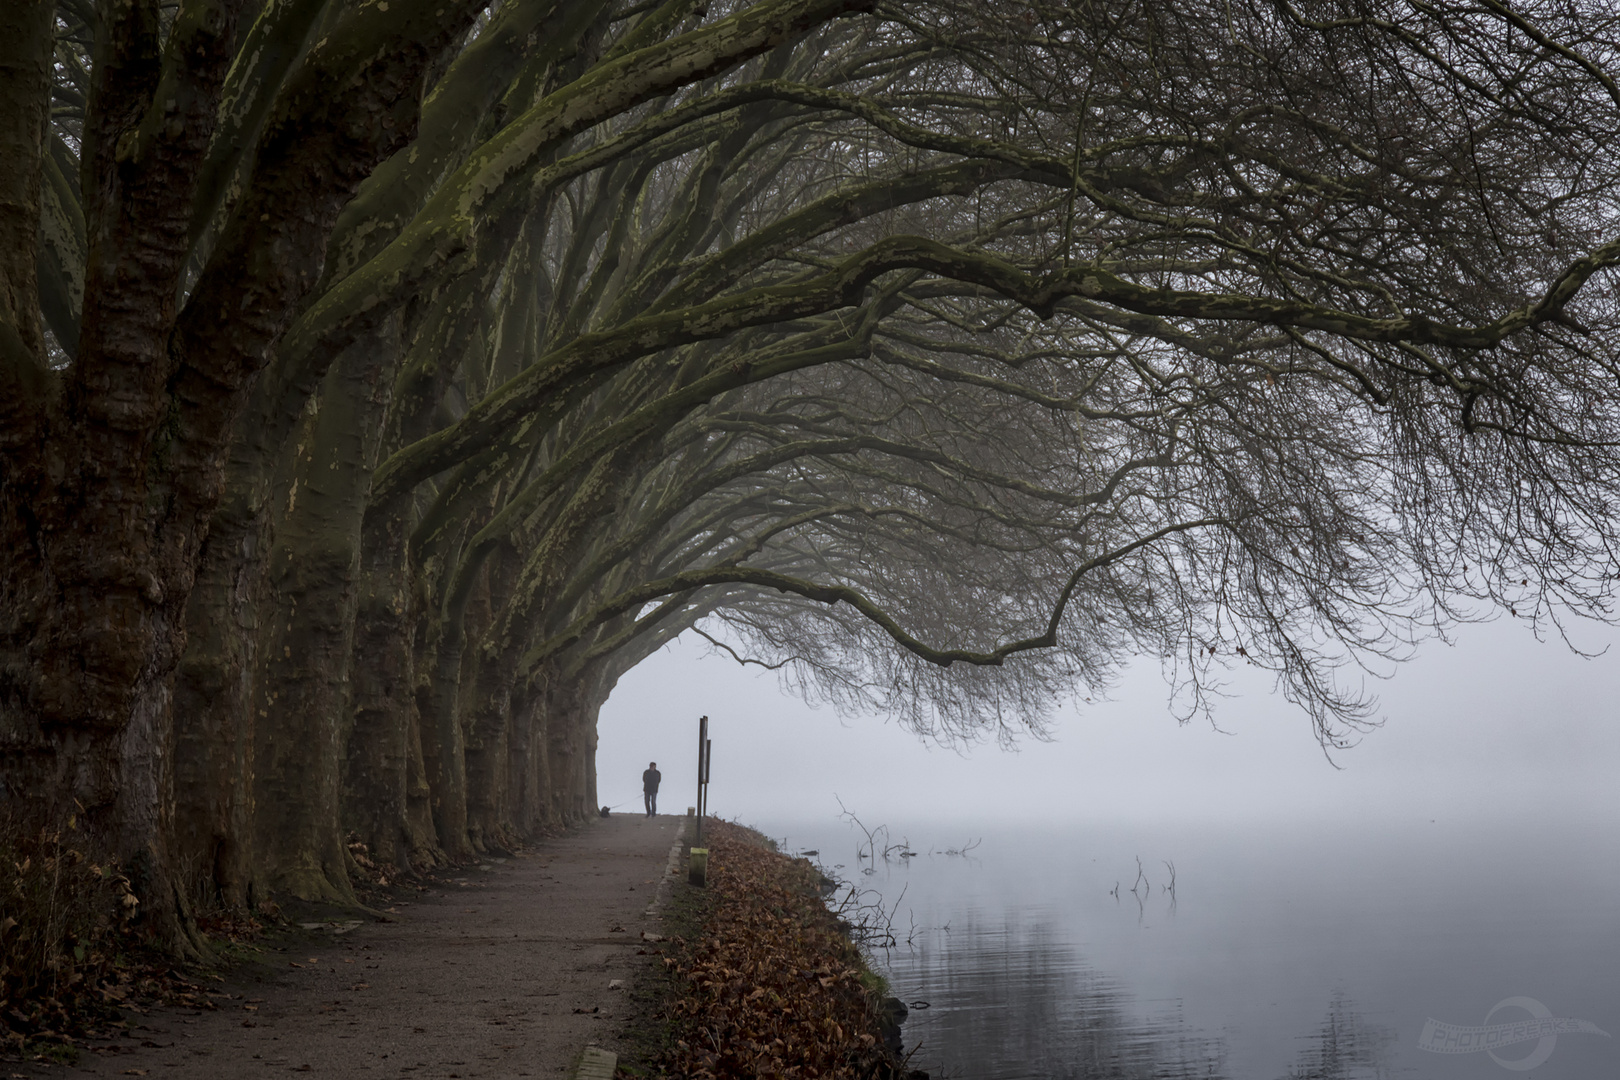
{"x":62,"y":916}
{"x":772,"y":988}
{"x":70,"y":961}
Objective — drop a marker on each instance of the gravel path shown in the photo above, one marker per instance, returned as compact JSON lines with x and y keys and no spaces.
{"x":504,"y":974}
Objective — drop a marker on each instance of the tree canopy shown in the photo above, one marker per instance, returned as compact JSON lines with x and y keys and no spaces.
{"x":380,"y":381}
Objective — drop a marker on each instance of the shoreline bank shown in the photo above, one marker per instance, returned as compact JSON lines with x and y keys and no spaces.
{"x":754,"y":977}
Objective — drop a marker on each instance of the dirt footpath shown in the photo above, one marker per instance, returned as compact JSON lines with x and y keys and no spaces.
{"x":506,"y":973}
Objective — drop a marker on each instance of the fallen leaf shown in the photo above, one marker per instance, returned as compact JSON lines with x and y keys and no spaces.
{"x":774,"y":970}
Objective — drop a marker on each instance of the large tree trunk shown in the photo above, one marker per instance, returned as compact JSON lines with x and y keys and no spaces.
{"x":301,"y":689}
{"x":25,"y":88}
{"x":488,"y":675}
{"x":26,"y":756}
{"x":596,"y":689}
{"x":443,"y":747}
{"x":562,"y":752}
{"x":515,"y":599}
{"x":423,"y":841}
{"x":103,"y":505}
{"x":535,"y":709}
{"x":109,"y":485}
{"x":421,"y":806}
{"x":213,"y":699}
{"x":385,"y":769}
{"x":377,"y":768}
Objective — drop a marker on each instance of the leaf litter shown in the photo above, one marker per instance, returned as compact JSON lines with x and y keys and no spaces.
{"x":772,"y":987}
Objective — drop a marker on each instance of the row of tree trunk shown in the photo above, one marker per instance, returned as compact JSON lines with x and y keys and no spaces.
{"x":380,"y":382}
{"x":327,"y":698}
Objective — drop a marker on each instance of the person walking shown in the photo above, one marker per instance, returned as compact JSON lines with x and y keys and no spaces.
{"x":649,"y":787}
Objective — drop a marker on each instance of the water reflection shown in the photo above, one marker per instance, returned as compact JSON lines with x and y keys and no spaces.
{"x":1053,"y":966}
{"x":1346,"y":1047}
{"x":1015,"y":1000}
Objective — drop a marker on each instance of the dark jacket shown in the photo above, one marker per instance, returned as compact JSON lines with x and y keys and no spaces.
{"x":649,"y":780}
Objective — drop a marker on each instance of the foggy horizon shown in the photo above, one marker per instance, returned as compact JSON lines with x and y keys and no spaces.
{"x":1496,"y":726}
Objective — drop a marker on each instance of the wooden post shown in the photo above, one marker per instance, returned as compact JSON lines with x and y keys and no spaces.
{"x":697,"y":870}
{"x":703,"y":744}
{"x":708,"y":754}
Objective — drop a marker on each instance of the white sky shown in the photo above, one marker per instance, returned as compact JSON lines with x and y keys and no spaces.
{"x":1499,"y":727}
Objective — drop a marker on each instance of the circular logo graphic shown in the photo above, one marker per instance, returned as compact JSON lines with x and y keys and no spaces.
{"x":1544,"y":1045}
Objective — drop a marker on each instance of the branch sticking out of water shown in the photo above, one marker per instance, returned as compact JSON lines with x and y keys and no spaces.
{"x":869,"y":854}
{"x":869,"y":922}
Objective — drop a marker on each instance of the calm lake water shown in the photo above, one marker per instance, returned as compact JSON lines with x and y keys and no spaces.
{"x":1285,"y":951}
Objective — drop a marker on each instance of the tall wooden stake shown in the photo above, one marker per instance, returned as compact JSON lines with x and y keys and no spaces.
{"x":702,"y":775}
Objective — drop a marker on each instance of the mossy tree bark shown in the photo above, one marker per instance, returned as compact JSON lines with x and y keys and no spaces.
{"x":122,"y":471}
{"x":213,"y":701}
{"x":377,"y":765}
{"x":301,"y":693}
